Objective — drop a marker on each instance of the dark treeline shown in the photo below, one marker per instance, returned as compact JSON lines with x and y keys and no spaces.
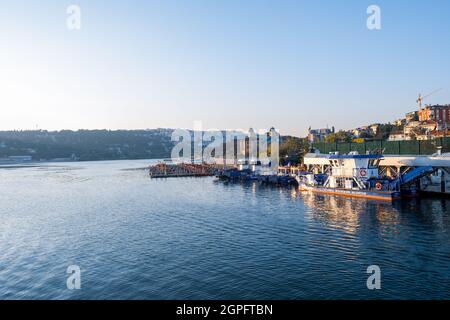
{"x":89,"y":145}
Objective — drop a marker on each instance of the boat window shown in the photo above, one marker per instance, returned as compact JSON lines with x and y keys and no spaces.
{"x":373,"y":163}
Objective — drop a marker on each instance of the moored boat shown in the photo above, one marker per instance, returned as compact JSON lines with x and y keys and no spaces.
{"x":352,"y":175}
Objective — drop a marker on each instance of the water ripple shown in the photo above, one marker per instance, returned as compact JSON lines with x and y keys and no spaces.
{"x":137,"y":238}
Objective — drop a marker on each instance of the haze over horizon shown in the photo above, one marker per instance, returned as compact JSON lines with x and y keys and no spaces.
{"x":230,"y":64}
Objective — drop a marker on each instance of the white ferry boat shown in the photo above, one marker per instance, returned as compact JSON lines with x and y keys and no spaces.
{"x":352,"y":175}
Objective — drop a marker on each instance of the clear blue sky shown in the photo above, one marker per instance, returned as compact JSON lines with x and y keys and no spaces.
{"x":230,"y":64}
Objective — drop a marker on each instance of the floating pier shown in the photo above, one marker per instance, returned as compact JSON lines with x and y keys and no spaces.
{"x":179,"y":170}
{"x":419,"y":174}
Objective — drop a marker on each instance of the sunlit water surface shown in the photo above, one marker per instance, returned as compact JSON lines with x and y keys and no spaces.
{"x":195,"y":238}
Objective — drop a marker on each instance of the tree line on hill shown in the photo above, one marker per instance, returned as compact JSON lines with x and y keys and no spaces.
{"x":383,"y":132}
{"x":91,"y":145}
{"x":86,"y":145}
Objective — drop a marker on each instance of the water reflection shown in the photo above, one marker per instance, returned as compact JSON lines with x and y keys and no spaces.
{"x":352,"y":215}
{"x":202,"y":239}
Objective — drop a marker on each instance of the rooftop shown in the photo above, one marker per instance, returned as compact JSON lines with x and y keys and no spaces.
{"x":355,"y":156}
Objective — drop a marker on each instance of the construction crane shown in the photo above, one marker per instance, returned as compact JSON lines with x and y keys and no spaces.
{"x":421,"y":98}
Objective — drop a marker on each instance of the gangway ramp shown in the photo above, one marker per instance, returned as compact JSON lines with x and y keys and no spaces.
{"x":416,"y":173}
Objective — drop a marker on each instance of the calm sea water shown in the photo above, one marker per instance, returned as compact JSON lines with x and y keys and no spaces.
{"x":195,"y":238}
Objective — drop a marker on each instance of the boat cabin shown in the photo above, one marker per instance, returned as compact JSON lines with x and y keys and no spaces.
{"x":354,"y":165}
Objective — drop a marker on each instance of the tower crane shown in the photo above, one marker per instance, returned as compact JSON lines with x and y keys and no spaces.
{"x":421,"y":98}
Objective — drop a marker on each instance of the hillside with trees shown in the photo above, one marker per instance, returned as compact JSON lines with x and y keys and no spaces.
{"x":86,"y":145}
{"x":91,"y":145}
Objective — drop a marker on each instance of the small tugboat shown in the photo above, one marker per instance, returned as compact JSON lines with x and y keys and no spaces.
{"x":352,"y":175}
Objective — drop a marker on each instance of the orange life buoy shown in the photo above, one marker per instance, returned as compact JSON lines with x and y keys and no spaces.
{"x":362,"y":172}
{"x":378,"y":186}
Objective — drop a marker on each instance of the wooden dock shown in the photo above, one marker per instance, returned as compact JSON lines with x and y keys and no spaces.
{"x":164,"y":170}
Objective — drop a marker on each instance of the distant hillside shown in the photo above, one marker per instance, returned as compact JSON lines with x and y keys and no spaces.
{"x":87,"y":145}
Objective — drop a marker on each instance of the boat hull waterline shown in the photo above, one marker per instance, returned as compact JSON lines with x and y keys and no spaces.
{"x":372,"y":195}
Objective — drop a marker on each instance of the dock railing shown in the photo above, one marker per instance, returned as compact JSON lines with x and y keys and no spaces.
{"x":410,"y":147}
